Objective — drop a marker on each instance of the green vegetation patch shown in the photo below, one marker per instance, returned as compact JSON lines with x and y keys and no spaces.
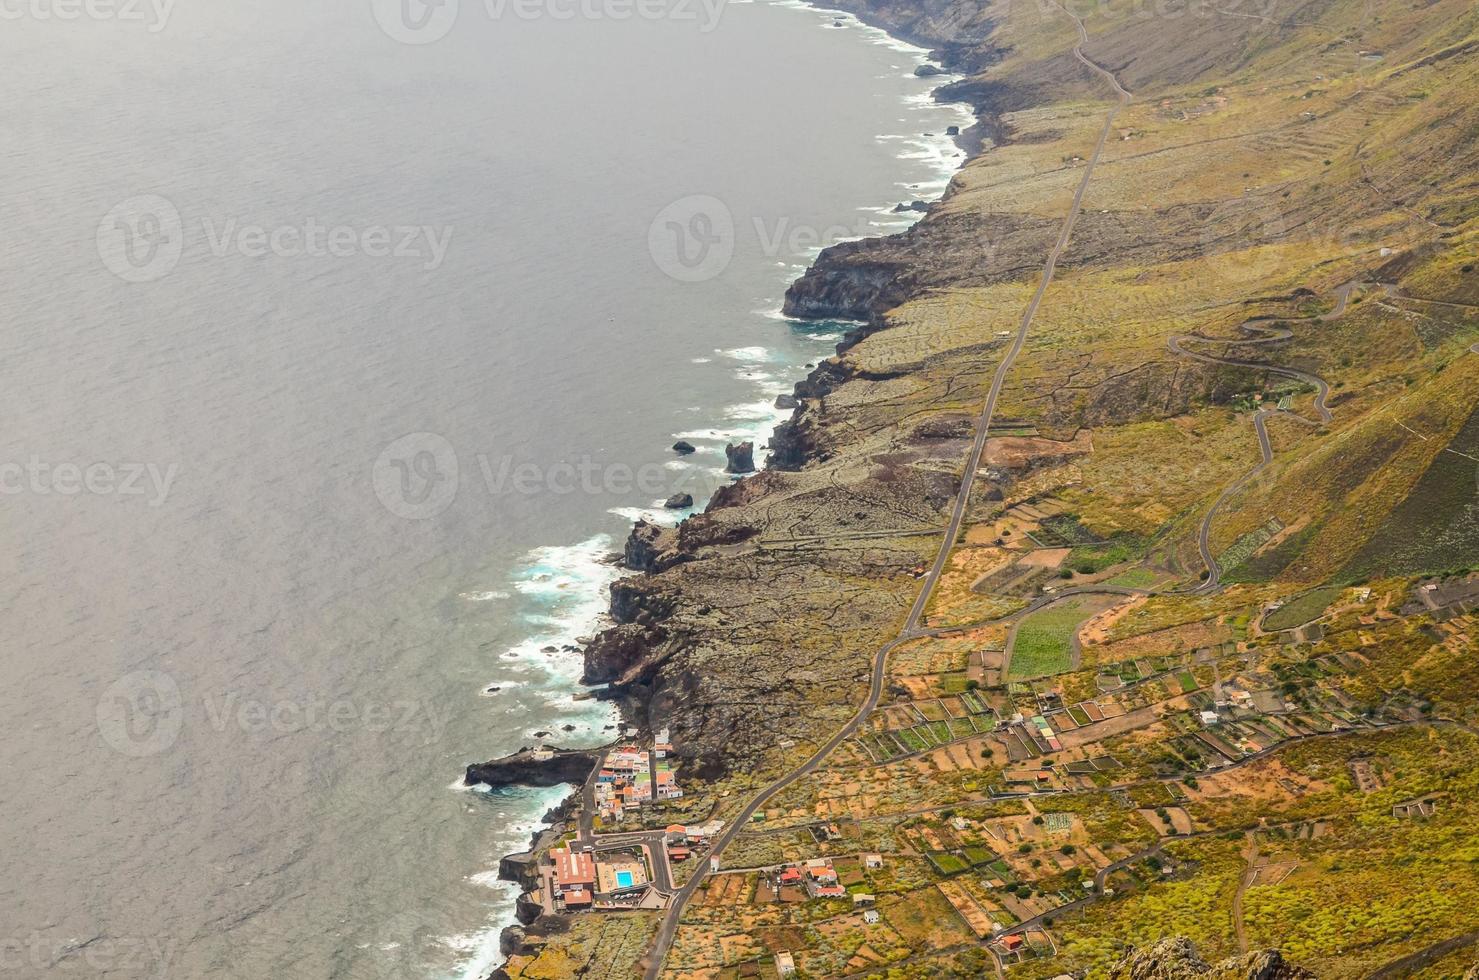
{"x":1064,"y":531}
{"x":947,"y":863}
{"x":1267,"y":566}
{"x":911,"y":741}
{"x":1094,"y":558}
{"x":1043,"y":645}
{"x":1243,"y":548}
{"x":1135,"y":578}
{"x":1301,"y":609}
{"x":979,"y":855}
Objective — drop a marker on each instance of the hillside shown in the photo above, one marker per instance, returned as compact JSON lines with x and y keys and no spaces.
{"x":1189,"y":650}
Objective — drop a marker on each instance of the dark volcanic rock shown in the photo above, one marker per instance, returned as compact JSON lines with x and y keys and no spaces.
{"x":527,"y":767}
{"x":678,"y":501}
{"x":927,"y":71}
{"x":618,"y":650}
{"x":952,"y":130}
{"x":741,"y":458}
{"x":639,"y":599}
{"x":526,"y":910}
{"x":1176,"y":959}
{"x":785,"y":402}
{"x":920,"y":206}
{"x":683,"y":448}
{"x":650,"y":548}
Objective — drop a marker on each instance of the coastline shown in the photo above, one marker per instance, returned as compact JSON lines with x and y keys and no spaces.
{"x":973,"y":137}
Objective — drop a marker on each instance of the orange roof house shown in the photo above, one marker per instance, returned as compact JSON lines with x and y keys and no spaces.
{"x":574,"y":870}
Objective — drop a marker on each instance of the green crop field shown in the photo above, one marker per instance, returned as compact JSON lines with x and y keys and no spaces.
{"x":1043,"y":645}
{"x":1301,"y":610}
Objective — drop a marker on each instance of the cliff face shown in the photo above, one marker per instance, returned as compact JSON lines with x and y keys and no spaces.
{"x":527,"y":767}
{"x":752,"y":630}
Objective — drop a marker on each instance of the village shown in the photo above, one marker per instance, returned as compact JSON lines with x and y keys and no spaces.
{"x":992,"y":818}
{"x":614,"y":862}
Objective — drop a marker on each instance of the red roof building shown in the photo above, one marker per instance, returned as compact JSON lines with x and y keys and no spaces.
{"x":574,"y":870}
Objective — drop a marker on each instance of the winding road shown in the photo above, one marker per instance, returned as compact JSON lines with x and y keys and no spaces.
{"x":911,"y":628}
{"x":1270,"y":335}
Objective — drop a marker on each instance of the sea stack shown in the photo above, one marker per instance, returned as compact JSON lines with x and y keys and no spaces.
{"x":741,"y":458}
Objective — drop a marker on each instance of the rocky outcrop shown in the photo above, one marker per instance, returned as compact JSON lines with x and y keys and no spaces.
{"x":650,"y":548}
{"x":1177,"y":959}
{"x":741,"y":457}
{"x":678,"y":501}
{"x":640,"y":599}
{"x":683,"y":448}
{"x":533,"y":767}
{"x":786,"y":402}
{"x":617,"y":650}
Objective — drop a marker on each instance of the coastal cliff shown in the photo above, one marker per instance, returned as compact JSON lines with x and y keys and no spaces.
{"x":1124,"y":463}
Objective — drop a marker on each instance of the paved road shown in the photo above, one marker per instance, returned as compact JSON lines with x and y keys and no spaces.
{"x":1204,"y":534}
{"x":671,"y":918}
{"x":1177,"y":345}
{"x":1271,"y":335}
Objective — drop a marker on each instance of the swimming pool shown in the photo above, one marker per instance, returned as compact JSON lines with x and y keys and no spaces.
{"x":623,"y":879}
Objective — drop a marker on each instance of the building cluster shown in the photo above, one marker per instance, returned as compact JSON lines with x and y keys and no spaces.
{"x":816,"y":876}
{"x":630,"y":777}
{"x":582,"y":879}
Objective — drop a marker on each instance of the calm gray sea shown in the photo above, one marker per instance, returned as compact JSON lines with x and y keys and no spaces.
{"x":339,"y":344}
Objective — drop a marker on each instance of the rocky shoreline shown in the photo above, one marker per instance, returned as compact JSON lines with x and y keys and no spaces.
{"x":852,"y":281}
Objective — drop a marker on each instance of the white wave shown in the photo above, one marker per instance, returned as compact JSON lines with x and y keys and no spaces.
{"x":482,"y":596}
{"x":656,"y":514}
{"x":753,"y":355}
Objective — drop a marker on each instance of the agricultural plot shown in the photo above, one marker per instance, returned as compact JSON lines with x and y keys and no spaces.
{"x":1301,"y":609}
{"x":1044,"y":643}
{"x":918,"y":726}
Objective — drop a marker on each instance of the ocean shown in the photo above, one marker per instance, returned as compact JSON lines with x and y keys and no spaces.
{"x":342,"y":343}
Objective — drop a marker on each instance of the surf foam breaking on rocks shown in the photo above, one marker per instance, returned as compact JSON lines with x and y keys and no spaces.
{"x":569,"y":584}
